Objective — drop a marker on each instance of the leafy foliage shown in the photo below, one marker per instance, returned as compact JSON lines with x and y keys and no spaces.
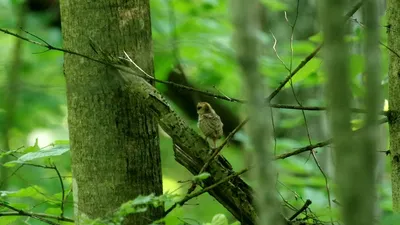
{"x":200,"y":38}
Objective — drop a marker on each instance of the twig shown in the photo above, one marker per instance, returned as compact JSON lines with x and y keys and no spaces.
{"x":302,"y":209}
{"x":304,"y":149}
{"x":38,"y":216}
{"x":206,"y":189}
{"x":51,"y":47}
{"x":53,"y":167}
{"x":276,"y":52}
{"x":220,"y":91}
{"x":318,"y":108}
{"x":381,"y":43}
{"x":227,"y":139}
{"x":326,"y":181}
{"x":308,"y":58}
{"x":318,"y":145}
{"x":216,"y":151}
{"x":62,"y":191}
{"x":300,"y":66}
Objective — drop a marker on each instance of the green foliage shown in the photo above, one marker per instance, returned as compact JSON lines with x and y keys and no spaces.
{"x":34,"y":152}
{"x":219,"y":219}
{"x":138,"y":205}
{"x":203,"y":43}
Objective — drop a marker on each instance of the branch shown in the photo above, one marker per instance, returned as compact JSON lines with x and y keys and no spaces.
{"x":51,"y":47}
{"x":318,"y":108}
{"x":53,"y":167}
{"x":227,"y":139}
{"x":62,"y":191}
{"x":308,"y":58}
{"x":206,"y":189}
{"x":318,"y":145}
{"x":38,"y":216}
{"x":302,"y":209}
{"x":190,"y":149}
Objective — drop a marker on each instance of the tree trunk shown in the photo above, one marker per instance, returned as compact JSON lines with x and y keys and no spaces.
{"x":246,"y":22}
{"x":393,"y":12}
{"x":114,"y":141}
{"x":12,"y":91}
{"x":355,"y":153}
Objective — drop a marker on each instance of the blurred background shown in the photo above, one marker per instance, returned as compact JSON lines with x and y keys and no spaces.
{"x":192,"y":42}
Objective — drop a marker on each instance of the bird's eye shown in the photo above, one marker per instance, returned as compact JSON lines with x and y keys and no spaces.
{"x":198,"y":107}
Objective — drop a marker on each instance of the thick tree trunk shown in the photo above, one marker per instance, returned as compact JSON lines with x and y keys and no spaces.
{"x":393,"y":12}
{"x":114,"y":140}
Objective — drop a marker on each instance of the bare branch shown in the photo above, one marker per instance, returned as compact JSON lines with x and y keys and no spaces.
{"x":308,"y":58}
{"x":206,"y":189}
{"x":38,"y":216}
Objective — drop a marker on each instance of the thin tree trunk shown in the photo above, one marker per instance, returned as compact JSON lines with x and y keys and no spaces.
{"x":355,"y":155}
{"x":247,"y":24}
{"x":393,"y":12}
{"x":114,"y":140}
{"x":11,"y":96}
{"x":336,"y":58}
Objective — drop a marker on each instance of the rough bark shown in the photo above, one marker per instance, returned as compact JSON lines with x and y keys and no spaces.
{"x":393,"y":13}
{"x":114,"y":141}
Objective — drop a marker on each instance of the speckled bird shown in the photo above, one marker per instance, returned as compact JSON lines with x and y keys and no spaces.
{"x":209,"y":122}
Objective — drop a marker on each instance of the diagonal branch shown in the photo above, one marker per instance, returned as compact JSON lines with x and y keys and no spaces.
{"x":308,"y":58}
{"x":191,"y":150}
{"x":180,"y":86}
{"x":206,"y":189}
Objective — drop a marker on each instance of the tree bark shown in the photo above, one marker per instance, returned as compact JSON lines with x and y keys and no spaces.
{"x":114,"y":140}
{"x":393,"y":12}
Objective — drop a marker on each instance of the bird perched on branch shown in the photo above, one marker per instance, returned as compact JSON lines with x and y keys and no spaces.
{"x":209,"y":122}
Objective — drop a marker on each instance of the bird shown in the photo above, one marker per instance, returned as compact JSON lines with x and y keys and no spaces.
{"x":209,"y":122}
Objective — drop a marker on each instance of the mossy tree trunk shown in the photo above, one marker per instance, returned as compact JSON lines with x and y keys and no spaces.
{"x":393,"y":12}
{"x":114,"y":140}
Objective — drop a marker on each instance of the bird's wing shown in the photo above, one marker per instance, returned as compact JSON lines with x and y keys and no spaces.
{"x":212,"y":123}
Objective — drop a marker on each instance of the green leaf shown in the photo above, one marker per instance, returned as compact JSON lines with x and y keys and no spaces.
{"x":34,"y":192}
{"x":235,"y":223}
{"x":219,"y":219}
{"x":55,"y":151}
{"x":8,"y":219}
{"x":317,"y":38}
{"x":5,"y":193}
{"x":33,"y":148}
{"x":356,"y":124}
{"x":54,"y":211}
{"x":311,"y":67}
{"x":201,"y":176}
{"x":143,"y":199}
{"x":61,"y":142}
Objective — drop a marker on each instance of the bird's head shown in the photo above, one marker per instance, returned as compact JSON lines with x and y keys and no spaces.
{"x":203,"y":108}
